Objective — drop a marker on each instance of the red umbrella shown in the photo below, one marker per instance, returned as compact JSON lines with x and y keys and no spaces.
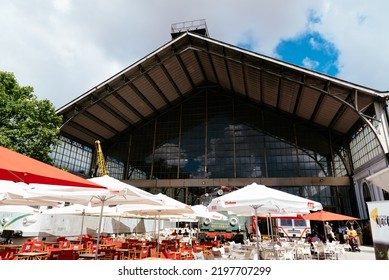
{"x":20,"y":168}
{"x":328,"y":216}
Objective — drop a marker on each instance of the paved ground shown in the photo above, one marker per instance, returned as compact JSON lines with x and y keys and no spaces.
{"x":367,"y":253}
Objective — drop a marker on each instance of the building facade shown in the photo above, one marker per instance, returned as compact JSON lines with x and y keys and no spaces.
{"x":199,"y":117}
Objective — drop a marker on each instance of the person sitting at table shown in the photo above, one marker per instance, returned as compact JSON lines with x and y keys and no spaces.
{"x":331,"y":237}
{"x":352,"y":233}
{"x":179,"y":232}
{"x":174,"y":233}
{"x":186,"y":233}
{"x":316,"y":238}
{"x":309,"y":238}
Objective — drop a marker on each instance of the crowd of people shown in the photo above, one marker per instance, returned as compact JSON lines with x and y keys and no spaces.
{"x":180,"y":232}
{"x":343,"y":234}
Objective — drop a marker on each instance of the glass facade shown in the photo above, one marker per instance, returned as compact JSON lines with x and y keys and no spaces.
{"x":215,"y":135}
{"x":72,"y":156}
{"x":364,"y":147}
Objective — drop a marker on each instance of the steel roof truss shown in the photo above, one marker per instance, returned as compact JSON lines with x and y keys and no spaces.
{"x":225,"y":61}
{"x":168,"y":76}
{"x":142,"y":97}
{"x":154,"y":85}
{"x":87,"y":131}
{"x":184,"y":69}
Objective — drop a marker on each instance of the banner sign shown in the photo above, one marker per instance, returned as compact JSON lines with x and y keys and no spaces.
{"x":379,"y":221}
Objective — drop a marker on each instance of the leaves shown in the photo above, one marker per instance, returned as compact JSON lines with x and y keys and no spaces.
{"x":27,"y":125}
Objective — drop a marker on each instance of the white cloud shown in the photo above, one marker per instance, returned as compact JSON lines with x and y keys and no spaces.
{"x":358,"y":28}
{"x":310,"y":64}
{"x":63,"y":48}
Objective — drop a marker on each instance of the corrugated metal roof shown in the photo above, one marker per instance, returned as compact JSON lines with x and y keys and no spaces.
{"x":182,"y":66}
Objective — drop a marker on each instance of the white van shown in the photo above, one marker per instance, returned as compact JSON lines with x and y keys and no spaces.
{"x":293,"y":229}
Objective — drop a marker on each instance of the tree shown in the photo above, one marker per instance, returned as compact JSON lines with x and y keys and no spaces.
{"x":27,"y":125}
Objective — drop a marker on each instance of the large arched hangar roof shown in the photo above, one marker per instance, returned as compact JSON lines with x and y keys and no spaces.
{"x":193,"y":62}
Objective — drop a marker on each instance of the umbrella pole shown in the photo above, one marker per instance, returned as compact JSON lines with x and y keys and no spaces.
{"x":82,"y":224}
{"x":159,"y":220}
{"x":257,"y":231}
{"x":99,"y":229}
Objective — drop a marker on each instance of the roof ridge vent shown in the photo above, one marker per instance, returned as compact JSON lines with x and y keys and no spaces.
{"x":195,"y":26}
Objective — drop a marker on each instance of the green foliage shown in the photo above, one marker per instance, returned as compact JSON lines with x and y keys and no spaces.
{"x":27,"y":125}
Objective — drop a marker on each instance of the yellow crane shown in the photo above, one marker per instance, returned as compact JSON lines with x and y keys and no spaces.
{"x":101,"y":168}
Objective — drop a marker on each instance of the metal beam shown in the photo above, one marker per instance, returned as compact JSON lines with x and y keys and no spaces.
{"x":240,"y":182}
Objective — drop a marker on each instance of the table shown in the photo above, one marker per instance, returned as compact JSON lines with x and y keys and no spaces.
{"x":107,"y":245}
{"x":32,"y":255}
{"x":124,"y":253}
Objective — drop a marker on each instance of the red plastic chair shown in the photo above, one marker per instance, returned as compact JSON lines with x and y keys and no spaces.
{"x":115,"y":256}
{"x":54,"y":255}
{"x":68,"y":255}
{"x":38,"y":246}
{"x":153,"y":253}
{"x":198,"y":248}
{"x":77,"y":246}
{"x":64,"y":244}
{"x":144,"y":253}
{"x":8,"y":254}
{"x":27,"y":247}
{"x":173,"y":255}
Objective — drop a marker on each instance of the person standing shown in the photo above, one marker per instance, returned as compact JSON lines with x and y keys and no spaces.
{"x":342,"y":231}
{"x":328,"y":230}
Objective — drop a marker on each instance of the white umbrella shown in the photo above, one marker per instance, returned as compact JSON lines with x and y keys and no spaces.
{"x":116,"y":193}
{"x":254,"y":199}
{"x":264,"y":199}
{"x":13,"y":193}
{"x":201,"y":211}
{"x":170,"y":206}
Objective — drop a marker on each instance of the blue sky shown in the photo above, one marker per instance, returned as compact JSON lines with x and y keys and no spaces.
{"x":308,"y":49}
{"x":311,"y":51}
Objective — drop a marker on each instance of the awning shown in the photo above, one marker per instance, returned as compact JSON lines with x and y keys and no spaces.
{"x":380,"y":179}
